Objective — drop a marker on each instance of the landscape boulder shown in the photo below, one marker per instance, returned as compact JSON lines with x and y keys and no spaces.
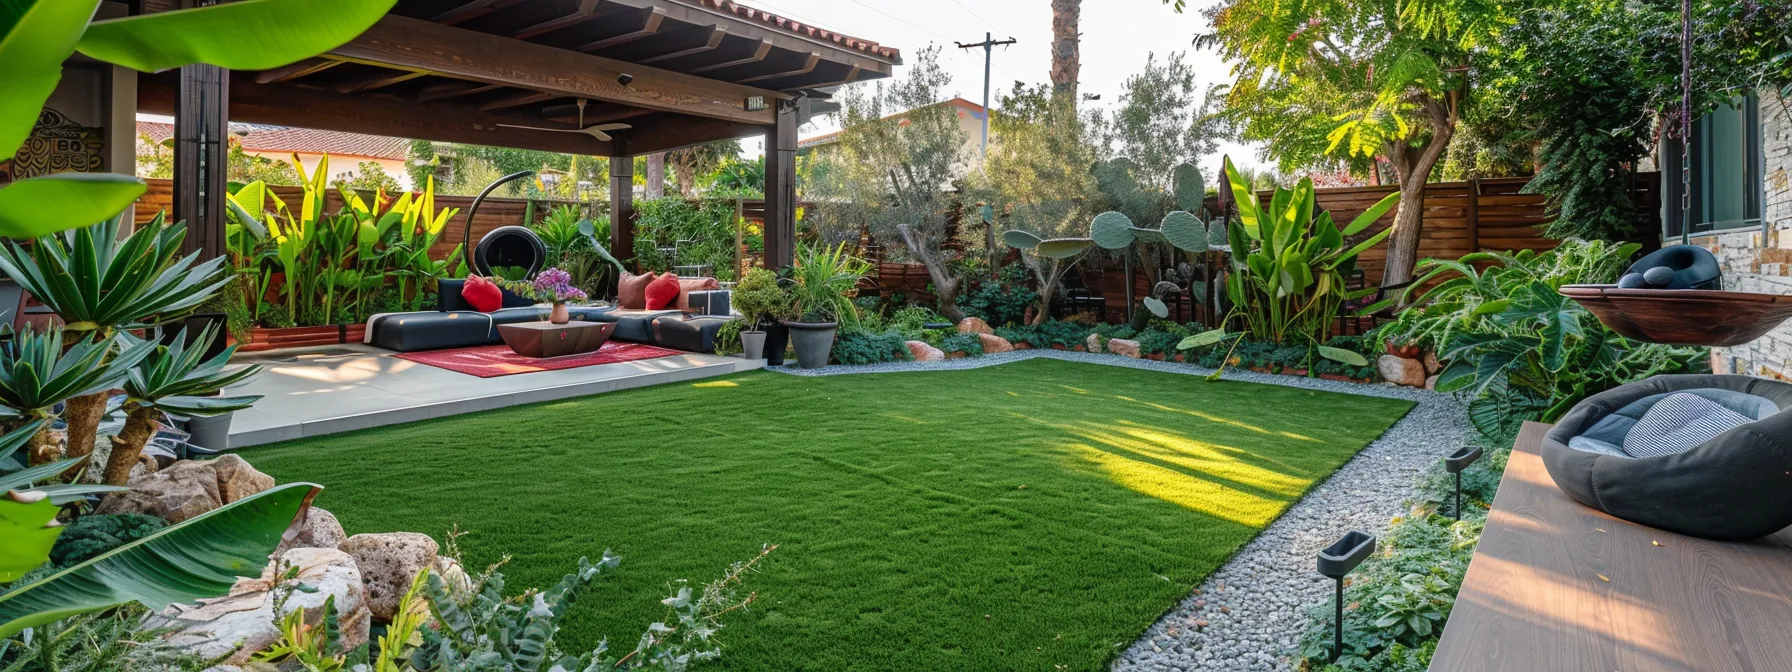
{"x":388,"y":562}
{"x":974,"y":325}
{"x":184,"y":490}
{"x":922,"y":352}
{"x":233,"y":628}
{"x":236,"y":479}
{"x":1431,"y":363}
{"x":993,"y":344}
{"x":1431,"y":383}
{"x":1402,"y":371}
{"x":1124,"y":347}
{"x":1092,"y":342}
{"x":319,"y":529}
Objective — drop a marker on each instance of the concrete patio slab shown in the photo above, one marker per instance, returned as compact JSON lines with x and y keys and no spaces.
{"x":341,"y":388}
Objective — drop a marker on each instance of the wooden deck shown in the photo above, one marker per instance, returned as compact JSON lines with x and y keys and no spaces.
{"x":1558,"y":586}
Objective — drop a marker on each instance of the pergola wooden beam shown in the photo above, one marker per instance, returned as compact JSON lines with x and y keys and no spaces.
{"x":716,"y":35}
{"x":435,"y":92}
{"x":651,"y":26}
{"x":759,"y":53}
{"x":296,"y":70}
{"x":519,"y":100}
{"x":807,"y":67}
{"x":784,"y":40}
{"x":586,"y":11}
{"x":469,"y":10}
{"x":415,"y":44}
{"x":379,"y":80}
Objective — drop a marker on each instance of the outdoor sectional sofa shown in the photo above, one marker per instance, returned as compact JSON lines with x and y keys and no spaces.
{"x":457,"y":325}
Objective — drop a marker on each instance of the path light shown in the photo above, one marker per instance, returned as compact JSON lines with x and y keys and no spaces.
{"x":1454,"y":464}
{"x":1336,"y":561}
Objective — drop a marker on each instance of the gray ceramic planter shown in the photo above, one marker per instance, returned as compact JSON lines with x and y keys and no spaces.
{"x":814,"y":342}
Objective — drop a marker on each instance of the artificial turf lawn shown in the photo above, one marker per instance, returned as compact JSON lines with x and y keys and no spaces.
{"x":1024,"y":516}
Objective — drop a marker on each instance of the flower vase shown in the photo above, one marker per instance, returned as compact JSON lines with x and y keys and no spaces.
{"x":559,"y":315}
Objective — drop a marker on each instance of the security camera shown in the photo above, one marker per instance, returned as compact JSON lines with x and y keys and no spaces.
{"x":624,"y":79}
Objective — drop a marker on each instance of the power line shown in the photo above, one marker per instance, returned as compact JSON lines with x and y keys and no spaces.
{"x":979,"y":16}
{"x":988,"y":46}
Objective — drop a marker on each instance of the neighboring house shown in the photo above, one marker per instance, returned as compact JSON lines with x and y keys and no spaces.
{"x":970,"y":118}
{"x":1742,"y":211}
{"x":280,"y":143}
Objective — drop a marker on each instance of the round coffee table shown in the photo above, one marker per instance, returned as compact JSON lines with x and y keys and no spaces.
{"x":546,"y":339}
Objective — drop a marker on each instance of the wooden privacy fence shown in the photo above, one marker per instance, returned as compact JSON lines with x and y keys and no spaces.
{"x":1459,"y":218}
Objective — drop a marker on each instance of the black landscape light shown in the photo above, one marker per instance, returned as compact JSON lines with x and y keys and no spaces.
{"x":1336,"y":561}
{"x":1454,"y":464}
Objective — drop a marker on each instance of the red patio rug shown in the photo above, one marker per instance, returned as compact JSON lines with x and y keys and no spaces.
{"x":491,"y":361}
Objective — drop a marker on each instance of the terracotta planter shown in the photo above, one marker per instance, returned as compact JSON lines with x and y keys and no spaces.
{"x":1155,"y":356}
{"x":955,"y":354}
{"x":1408,"y":351}
{"x":1081,"y":348}
{"x":1181,"y":359}
{"x":1023,"y":345}
{"x":1295,"y":372}
{"x":1055,"y":346}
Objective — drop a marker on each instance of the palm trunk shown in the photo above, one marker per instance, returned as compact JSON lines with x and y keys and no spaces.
{"x":43,"y":447}
{"x":127,"y":447}
{"x":1066,"y":54}
{"x":83,"y":415}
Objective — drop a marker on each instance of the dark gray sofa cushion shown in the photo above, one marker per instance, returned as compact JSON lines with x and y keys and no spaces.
{"x":1735,"y":486}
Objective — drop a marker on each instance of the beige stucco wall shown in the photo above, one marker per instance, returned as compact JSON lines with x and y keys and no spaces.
{"x":1761,"y":261}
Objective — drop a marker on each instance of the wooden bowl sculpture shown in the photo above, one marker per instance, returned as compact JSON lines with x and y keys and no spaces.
{"x":1674,"y":296}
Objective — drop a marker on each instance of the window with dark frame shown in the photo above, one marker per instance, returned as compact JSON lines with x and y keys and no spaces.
{"x":1726,"y":172}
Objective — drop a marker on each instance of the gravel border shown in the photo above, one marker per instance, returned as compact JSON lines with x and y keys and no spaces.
{"x":1251,"y":611}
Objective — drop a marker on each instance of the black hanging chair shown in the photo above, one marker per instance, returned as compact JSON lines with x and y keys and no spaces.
{"x":512,"y":246}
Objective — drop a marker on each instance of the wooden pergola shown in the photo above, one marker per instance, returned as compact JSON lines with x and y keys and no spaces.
{"x":678,"y":72}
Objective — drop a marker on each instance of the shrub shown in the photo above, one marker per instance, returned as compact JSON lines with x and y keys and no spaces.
{"x":859,"y":346}
{"x":966,"y":343}
{"x":1003,"y":299}
{"x":93,"y":535}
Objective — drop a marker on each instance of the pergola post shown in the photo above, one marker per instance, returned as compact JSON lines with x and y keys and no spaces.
{"x":622,"y":206}
{"x":780,"y":188}
{"x":201,"y":131}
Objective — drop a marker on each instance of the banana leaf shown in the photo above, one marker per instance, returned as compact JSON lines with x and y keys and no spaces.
{"x":247,"y":35}
{"x":46,"y":204}
{"x":199,"y":558}
{"x":26,"y":534}
{"x":36,"y":36}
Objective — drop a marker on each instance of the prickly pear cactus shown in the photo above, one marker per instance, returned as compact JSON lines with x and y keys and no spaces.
{"x":1191,"y":191}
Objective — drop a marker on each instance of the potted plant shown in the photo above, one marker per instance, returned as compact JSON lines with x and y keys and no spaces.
{"x":551,"y":286}
{"x":824,"y":281}
{"x":760,"y":299}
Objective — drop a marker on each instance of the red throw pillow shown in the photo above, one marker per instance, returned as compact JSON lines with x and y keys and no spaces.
{"x":482,"y":294}
{"x":662,"y":292}
{"x":631,"y":290}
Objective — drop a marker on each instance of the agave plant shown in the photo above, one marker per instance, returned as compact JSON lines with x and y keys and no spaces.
{"x":199,"y":558}
{"x":99,"y":284}
{"x":37,"y":372}
{"x":825,"y":278}
{"x":176,"y":379}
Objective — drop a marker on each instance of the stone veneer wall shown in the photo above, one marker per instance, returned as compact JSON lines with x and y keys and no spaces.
{"x":1754,"y":261}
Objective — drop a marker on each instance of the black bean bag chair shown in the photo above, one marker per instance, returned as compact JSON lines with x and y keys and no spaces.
{"x":514,"y":246}
{"x":1734,"y":486}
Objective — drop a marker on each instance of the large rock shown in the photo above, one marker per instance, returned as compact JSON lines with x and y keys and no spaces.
{"x":236,"y":479}
{"x":1431,"y":363}
{"x":184,"y":490}
{"x":233,"y":628}
{"x":1402,"y":371}
{"x":318,"y":530}
{"x":1092,"y":342}
{"x":922,"y":352}
{"x":993,"y":344}
{"x":974,"y":325}
{"x":388,"y":562}
{"x":1431,"y":383}
{"x":1123,"y":347}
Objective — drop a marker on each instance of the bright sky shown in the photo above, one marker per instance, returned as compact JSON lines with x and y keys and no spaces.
{"x":1117,"y":36}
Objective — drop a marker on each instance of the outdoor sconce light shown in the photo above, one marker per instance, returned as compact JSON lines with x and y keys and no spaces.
{"x":1454,"y":464}
{"x":624,"y":79}
{"x":1337,"y":560}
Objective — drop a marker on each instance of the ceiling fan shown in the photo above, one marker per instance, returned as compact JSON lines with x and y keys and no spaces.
{"x":599,"y":131}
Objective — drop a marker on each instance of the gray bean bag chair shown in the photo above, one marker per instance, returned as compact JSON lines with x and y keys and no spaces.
{"x":1703,"y":455}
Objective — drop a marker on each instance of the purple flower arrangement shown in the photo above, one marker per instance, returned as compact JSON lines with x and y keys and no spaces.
{"x":551,"y":286}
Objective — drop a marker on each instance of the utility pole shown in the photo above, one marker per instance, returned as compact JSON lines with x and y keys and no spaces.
{"x":988,"y":45}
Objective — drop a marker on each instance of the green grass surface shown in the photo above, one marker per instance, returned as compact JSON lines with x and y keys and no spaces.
{"x":1024,"y":516}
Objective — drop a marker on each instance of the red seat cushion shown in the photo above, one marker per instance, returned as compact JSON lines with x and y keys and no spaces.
{"x":631,"y":290}
{"x":663,"y":292}
{"x":482,"y":294}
